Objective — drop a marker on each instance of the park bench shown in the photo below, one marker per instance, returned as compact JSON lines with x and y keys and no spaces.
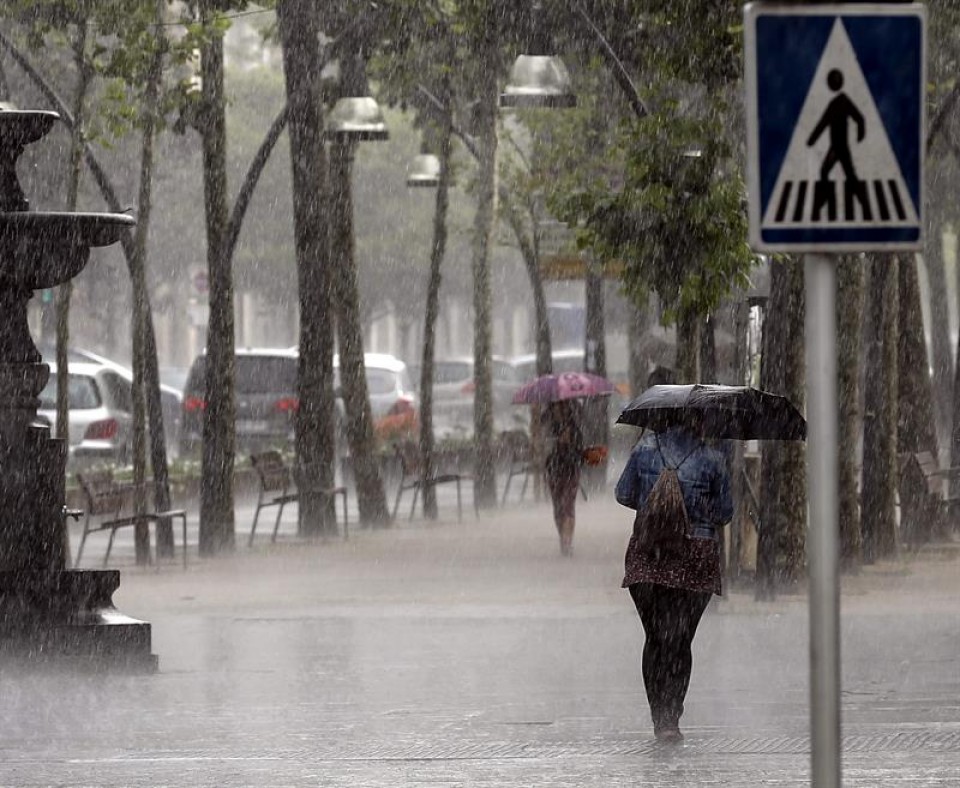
{"x":108,"y":507}
{"x":412,"y":478}
{"x":927,"y":506}
{"x":278,"y":488}
{"x":519,"y":452}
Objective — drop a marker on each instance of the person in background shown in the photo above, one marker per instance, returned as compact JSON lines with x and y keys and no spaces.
{"x":660,"y":376}
{"x":564,"y":458}
{"x":671,"y":590}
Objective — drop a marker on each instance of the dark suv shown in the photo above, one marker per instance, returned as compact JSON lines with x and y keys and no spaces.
{"x":266,"y":401}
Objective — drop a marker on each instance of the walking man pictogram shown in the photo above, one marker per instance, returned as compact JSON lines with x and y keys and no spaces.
{"x":836,"y":118}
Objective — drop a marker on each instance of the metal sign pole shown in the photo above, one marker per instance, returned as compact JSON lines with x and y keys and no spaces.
{"x":811,"y":68}
{"x":823,"y":540}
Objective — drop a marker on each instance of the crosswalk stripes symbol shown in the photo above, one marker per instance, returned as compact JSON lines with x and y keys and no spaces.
{"x":840,"y":169}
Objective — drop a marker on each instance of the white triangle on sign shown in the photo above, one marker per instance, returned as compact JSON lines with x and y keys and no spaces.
{"x":800,"y":197}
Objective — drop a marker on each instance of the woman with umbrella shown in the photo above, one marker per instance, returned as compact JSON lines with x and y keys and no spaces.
{"x":565,"y":455}
{"x":671,"y":582}
{"x":562,"y":416}
{"x":671,"y":589}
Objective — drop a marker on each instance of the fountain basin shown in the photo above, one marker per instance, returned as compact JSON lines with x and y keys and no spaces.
{"x":41,"y":249}
{"x":21,"y":127}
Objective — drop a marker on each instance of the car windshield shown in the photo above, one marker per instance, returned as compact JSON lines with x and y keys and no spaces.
{"x":379,"y":381}
{"x":503,"y":372}
{"x":568,"y":363}
{"x":253,"y":375}
{"x":82,"y":393}
{"x":452,"y":371}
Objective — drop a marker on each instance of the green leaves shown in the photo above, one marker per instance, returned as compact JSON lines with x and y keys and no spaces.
{"x":661,"y":194}
{"x":124,"y":37}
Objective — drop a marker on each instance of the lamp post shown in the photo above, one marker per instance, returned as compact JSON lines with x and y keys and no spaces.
{"x":536,"y":82}
{"x":356,"y":119}
{"x":430,"y":170}
{"x":353,"y":119}
{"x":424,"y":171}
{"x":550,"y":89}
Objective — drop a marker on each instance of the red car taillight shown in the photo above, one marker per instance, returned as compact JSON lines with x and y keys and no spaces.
{"x":287,"y":405}
{"x":402,"y":407}
{"x":102,"y":430}
{"x":193,"y":404}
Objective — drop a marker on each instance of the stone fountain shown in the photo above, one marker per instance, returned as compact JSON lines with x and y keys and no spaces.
{"x":48,"y":613}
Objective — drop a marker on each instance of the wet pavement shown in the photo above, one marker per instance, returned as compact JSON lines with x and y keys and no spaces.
{"x":461,"y":654}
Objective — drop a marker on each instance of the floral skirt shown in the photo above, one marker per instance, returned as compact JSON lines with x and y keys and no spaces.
{"x":695,"y":568}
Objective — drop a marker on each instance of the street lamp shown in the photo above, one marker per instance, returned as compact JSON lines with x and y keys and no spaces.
{"x":538,"y":81}
{"x":424,"y":171}
{"x":356,"y":118}
{"x":353,"y":119}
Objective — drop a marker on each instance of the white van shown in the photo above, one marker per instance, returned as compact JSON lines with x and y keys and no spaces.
{"x":525,"y":366}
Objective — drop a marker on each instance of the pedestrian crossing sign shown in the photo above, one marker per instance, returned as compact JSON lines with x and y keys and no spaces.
{"x":836,"y":126}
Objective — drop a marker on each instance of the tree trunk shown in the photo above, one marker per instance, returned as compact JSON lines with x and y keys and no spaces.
{"x":485,"y":479}
{"x":688,"y":346}
{"x":708,"y":351}
{"x":879,"y":486}
{"x":733,"y":566}
{"x":141,"y":305}
{"x":933,"y":261}
{"x":771,"y":379}
{"x":596,"y":425}
{"x":219,"y":424}
{"x":793,"y":496}
{"x":916,"y":429}
{"x":299,"y":33}
{"x":64,"y":293}
{"x":530,"y":251}
{"x":437,"y":251}
{"x":849,"y":322}
{"x":639,"y":320}
{"x":353,"y":382}
{"x":780,"y":546}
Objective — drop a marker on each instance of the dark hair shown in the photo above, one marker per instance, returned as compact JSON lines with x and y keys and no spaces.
{"x":661,"y":376}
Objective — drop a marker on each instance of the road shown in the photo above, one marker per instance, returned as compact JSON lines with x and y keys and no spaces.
{"x":472,"y":653}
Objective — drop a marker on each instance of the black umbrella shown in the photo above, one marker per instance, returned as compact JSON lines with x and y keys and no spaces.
{"x":732,"y":412}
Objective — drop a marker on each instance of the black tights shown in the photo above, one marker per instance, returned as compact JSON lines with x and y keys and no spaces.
{"x":670,"y":617}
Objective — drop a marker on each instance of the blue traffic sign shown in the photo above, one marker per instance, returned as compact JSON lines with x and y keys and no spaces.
{"x":836,"y":126}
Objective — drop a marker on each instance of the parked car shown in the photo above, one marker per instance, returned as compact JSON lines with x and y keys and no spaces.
{"x":454,"y":389}
{"x":98,"y":379}
{"x":266,"y":401}
{"x":170,"y":397}
{"x":567,"y":360}
{"x":175,"y":377}
{"x":393,"y":401}
{"x":100,"y":403}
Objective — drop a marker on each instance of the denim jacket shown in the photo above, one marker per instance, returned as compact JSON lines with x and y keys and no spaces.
{"x":703,"y":474}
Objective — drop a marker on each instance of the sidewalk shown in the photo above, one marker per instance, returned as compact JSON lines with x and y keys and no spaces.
{"x":473,"y":654}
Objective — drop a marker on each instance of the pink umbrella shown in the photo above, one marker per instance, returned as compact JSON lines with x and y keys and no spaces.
{"x":565,"y":385}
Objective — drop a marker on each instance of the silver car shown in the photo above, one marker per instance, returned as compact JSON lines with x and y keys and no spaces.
{"x":454,"y":390}
{"x":393,"y":403}
{"x":100,"y":400}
